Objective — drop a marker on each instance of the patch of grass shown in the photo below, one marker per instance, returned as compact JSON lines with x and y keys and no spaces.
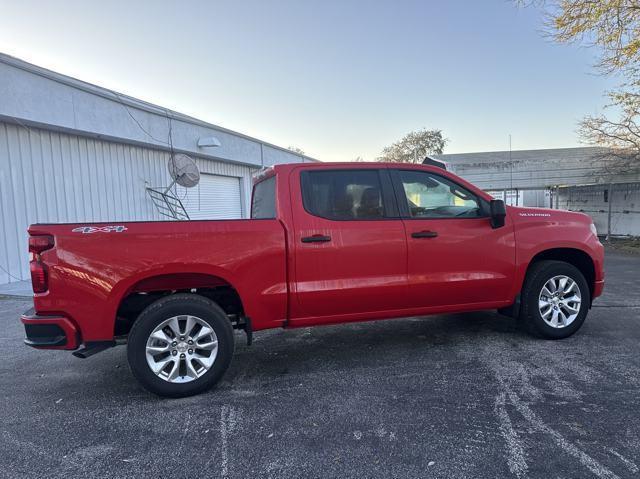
{"x":627,"y":245}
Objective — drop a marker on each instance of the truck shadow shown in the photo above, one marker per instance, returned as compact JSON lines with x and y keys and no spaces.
{"x":368,"y":344}
{"x":288,"y":356}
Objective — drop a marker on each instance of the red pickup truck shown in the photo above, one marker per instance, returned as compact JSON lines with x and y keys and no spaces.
{"x":326,"y":243}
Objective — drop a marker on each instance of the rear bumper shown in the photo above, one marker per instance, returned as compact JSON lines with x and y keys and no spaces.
{"x":49,"y":332}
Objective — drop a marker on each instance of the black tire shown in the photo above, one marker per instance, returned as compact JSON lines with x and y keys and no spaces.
{"x":163,"y":309}
{"x":539,"y":273}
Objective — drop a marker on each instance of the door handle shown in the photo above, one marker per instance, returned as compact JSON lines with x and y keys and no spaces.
{"x":316,"y":239}
{"x":424,"y":234}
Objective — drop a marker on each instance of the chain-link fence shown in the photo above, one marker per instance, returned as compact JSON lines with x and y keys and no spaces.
{"x":615,"y":207}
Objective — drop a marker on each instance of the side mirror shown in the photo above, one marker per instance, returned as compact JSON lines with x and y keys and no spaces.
{"x":498,"y":212}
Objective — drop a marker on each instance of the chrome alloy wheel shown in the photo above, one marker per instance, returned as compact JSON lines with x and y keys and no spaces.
{"x":181,"y":349}
{"x":559,"y":301}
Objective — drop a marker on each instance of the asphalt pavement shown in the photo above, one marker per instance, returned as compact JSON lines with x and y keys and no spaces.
{"x":451,"y":396}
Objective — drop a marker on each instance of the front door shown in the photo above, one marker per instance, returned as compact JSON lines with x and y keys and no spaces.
{"x":454,"y":256}
{"x":349,"y":244}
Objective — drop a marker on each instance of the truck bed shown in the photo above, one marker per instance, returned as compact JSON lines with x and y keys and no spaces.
{"x":102,"y":263}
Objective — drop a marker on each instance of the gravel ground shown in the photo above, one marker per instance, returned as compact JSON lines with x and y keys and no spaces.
{"x":445,"y":396}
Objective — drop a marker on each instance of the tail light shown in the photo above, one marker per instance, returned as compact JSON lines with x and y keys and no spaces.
{"x":40,"y":243}
{"x":39,"y":276}
{"x":39,"y":272}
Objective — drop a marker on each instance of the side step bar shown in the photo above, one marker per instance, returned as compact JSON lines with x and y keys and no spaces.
{"x":90,"y":349}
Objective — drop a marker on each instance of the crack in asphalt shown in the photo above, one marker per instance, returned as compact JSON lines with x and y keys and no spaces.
{"x":516,"y":458}
{"x":510,"y":373}
{"x":538,"y":423}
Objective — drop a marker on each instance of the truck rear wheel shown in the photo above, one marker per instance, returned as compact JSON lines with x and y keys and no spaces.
{"x":555,"y":299}
{"x":180,"y":345}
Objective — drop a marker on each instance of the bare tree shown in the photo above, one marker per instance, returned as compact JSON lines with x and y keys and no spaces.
{"x":622,"y":133}
{"x":613,"y":28}
{"x":414,"y":146}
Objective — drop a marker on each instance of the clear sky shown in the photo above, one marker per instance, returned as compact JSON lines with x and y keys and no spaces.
{"x":337,"y":78}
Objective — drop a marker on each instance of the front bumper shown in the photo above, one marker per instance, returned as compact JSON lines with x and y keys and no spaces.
{"x":598,"y":288}
{"x":49,"y":332}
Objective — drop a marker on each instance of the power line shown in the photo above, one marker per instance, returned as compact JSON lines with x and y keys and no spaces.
{"x":124,"y":105}
{"x":35,"y":132}
{"x":26,"y":127}
{"x":10,"y":275}
{"x":126,"y":108}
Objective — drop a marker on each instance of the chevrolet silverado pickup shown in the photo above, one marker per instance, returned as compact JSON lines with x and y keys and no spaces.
{"x":326,"y":243}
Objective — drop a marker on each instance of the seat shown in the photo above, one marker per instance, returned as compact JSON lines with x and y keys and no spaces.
{"x":342,"y":207}
{"x":370,"y":204}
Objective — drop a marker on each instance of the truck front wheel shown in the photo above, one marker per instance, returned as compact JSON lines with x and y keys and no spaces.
{"x":555,"y":299}
{"x":180,"y":345}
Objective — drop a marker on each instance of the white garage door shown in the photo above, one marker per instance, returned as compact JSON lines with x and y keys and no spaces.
{"x":215,"y":197}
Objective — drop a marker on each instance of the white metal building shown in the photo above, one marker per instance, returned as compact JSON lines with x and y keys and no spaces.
{"x":590,"y":180}
{"x":75,"y":152}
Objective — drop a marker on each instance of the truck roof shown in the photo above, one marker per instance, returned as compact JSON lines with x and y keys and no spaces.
{"x":354,"y":164}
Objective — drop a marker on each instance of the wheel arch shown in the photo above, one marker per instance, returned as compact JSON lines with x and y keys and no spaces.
{"x":147,"y":288}
{"x":573,"y":256}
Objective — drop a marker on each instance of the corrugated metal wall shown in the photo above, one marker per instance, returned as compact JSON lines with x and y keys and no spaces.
{"x":540,"y":169}
{"x":48,"y":176}
{"x":595,"y":200}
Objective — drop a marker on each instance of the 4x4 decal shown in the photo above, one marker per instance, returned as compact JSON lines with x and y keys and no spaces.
{"x":99,"y":229}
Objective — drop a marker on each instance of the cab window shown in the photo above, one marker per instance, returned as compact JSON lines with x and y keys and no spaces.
{"x":263,"y":203}
{"x":343,"y":194}
{"x":433,"y":196}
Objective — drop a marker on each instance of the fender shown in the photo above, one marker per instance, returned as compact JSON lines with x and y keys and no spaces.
{"x":524,"y":260}
{"x":127,"y":286}
{"x":124,"y":287}
{"x":539,"y":230}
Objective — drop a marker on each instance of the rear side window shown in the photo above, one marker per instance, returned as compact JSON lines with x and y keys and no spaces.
{"x":263,"y":203}
{"x":343,"y":194}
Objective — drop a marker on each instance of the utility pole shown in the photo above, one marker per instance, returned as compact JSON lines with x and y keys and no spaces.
{"x":510,"y":165}
{"x":610,"y":199}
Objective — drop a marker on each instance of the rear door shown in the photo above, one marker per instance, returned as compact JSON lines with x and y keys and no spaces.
{"x":350,"y":245}
{"x":454,"y":256}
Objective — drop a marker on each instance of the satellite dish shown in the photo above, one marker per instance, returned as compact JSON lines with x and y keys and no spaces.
{"x":184,"y":170}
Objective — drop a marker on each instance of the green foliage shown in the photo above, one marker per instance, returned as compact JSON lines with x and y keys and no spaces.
{"x":612,"y":28}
